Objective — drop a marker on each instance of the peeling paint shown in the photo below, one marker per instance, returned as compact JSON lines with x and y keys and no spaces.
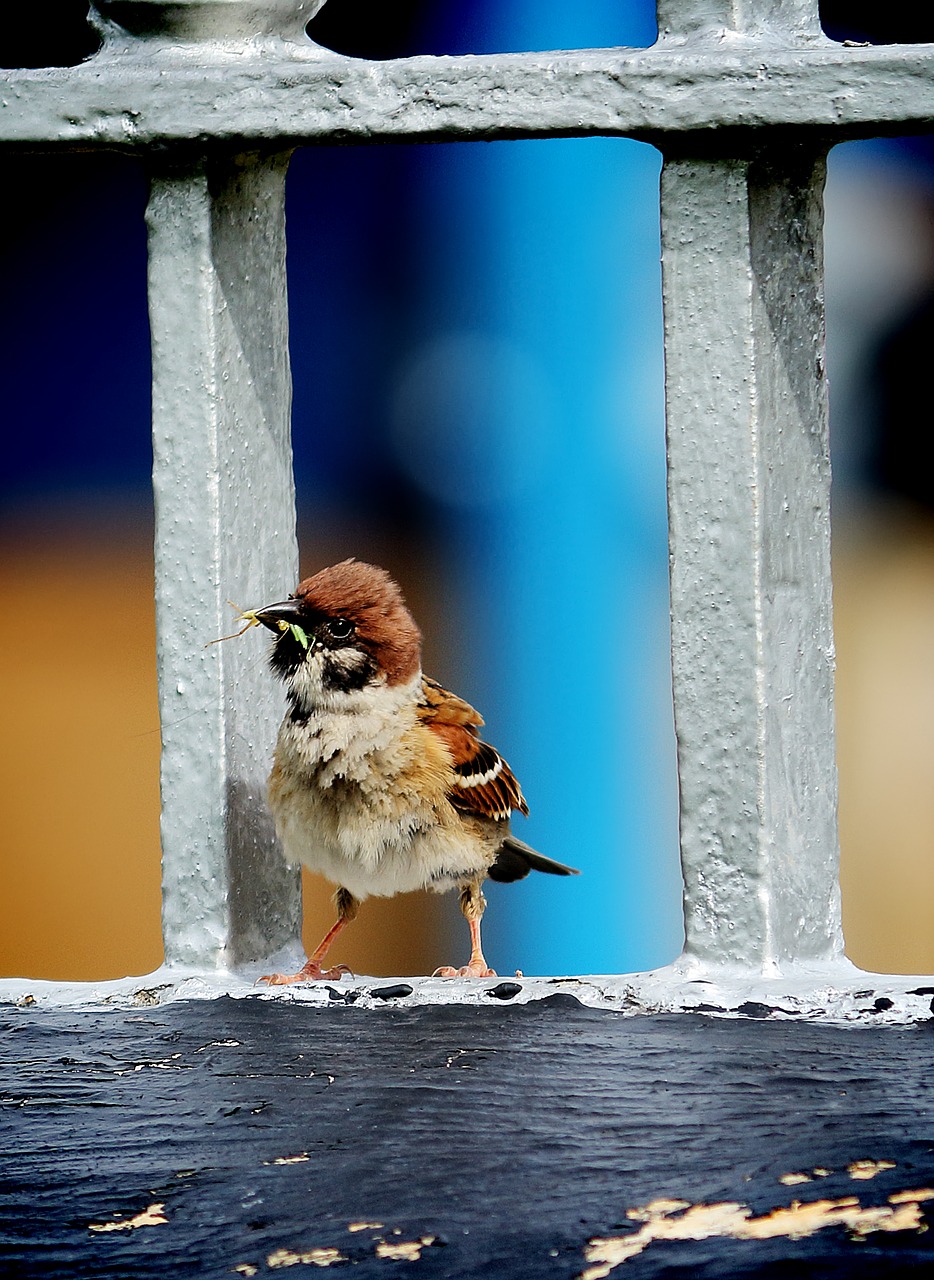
{"x":311,"y":1257}
{"x":792,"y":1179}
{"x":170,"y":1063}
{"x":680,"y":1220}
{"x":297,"y":1159}
{"x":365,"y":1226}
{"x":863,"y":1170}
{"x":151,"y":1217}
{"x":146,"y":997}
{"x":404,"y":1250}
{"x":825,"y":995}
{"x":245,"y":1269}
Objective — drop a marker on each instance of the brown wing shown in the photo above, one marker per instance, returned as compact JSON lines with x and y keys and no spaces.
{"x":484,"y":783}
{"x":438,"y":704}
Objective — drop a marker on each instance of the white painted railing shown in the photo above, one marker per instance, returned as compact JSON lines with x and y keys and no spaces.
{"x":744,"y":101}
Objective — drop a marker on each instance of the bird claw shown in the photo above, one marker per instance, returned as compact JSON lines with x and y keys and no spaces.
{"x":476,"y":969}
{"x":308,"y":973}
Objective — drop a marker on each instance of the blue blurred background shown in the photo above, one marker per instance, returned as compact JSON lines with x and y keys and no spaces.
{"x":477,"y":356}
{"x":500,"y":307}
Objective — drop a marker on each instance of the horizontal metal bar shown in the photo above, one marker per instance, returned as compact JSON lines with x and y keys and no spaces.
{"x":309,"y":96}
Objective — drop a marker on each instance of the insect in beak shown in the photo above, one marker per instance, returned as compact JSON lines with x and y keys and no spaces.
{"x":277,"y":617}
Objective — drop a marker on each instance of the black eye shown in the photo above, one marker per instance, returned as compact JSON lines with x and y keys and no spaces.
{"x":340,"y":629}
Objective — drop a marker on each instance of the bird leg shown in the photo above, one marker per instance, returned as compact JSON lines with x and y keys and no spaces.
{"x":347,"y":908}
{"x":472,"y":904}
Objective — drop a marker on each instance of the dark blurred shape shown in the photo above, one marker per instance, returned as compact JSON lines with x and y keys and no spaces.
{"x":867,"y":20}
{"x":903,"y":456}
{"x":900,"y":458}
{"x":55,"y":34}
{"x":371,"y":28}
{"x":352,"y":243}
{"x":73,"y":328}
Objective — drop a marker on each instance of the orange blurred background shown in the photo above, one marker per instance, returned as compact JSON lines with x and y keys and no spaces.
{"x":80,"y":894}
{"x":79,"y":758}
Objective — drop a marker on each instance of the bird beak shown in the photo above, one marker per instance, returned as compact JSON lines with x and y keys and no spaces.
{"x":287,"y":611}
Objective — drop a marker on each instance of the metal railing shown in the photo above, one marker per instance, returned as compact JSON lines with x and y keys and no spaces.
{"x":744,"y":100}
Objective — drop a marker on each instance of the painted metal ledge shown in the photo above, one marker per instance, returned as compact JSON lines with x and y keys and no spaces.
{"x":239,"y":1137}
{"x":295,"y":94}
{"x":836,"y":993}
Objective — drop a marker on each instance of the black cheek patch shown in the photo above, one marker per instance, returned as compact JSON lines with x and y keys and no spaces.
{"x":340,"y":676}
{"x":286,"y":655}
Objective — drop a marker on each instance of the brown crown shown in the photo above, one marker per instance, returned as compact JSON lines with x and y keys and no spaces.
{"x":368,"y":597}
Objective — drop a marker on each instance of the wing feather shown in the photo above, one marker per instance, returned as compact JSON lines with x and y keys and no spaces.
{"x":483,"y":781}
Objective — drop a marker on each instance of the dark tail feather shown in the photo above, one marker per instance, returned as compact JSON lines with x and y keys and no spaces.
{"x":514,"y":860}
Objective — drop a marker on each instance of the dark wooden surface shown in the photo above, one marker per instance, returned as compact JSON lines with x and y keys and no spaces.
{"x":509,"y":1134}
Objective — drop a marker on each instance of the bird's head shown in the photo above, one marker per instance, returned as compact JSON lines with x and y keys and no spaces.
{"x":342,"y":630}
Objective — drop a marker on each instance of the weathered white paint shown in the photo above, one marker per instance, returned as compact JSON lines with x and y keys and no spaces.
{"x":297,"y":95}
{"x":830,"y":993}
{"x":238,"y":84}
{"x":225,"y":526}
{"x":749,"y":528}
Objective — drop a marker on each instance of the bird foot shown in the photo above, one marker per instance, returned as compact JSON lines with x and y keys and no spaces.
{"x":476,"y":969}
{"x":309,"y":972}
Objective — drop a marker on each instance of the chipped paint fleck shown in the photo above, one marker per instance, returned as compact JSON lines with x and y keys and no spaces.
{"x":822,"y":1173}
{"x":151,"y":1217}
{"x":907,"y":1197}
{"x":311,"y":1257}
{"x":863,"y":1170}
{"x":245,"y":1269}
{"x":170,"y":1063}
{"x":365,"y":1226}
{"x":403,"y":1250}
{"x":296,"y":1159}
{"x":680,"y":1220}
{"x":146,"y":997}
{"x":792,"y":1179}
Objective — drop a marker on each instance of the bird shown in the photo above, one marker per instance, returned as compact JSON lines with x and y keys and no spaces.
{"x":380,"y":780}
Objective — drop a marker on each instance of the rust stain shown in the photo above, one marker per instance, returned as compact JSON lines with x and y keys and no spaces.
{"x":863,"y":1170}
{"x":310,"y":1257}
{"x":151,"y":1217}
{"x":680,"y":1220}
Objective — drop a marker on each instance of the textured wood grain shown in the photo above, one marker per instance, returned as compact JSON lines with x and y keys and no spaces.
{"x":264,"y":1133}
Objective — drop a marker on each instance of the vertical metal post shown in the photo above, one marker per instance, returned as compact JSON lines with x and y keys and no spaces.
{"x":225,"y":526}
{"x":789,"y":21}
{"x":749,"y":513}
{"x":749,"y":509}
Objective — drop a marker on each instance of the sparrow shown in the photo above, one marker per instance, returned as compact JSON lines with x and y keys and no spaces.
{"x":380,"y":780}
